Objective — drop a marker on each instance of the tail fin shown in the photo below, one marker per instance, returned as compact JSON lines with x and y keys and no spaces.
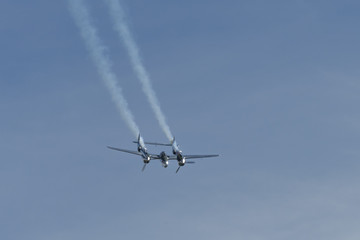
{"x":141,"y":141}
{"x":174,"y":143}
{"x":138,"y":139}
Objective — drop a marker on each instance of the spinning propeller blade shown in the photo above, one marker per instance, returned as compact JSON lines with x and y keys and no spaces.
{"x":143,"y":167}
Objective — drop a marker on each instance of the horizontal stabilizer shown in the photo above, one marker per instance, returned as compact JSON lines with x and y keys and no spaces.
{"x":153,"y":143}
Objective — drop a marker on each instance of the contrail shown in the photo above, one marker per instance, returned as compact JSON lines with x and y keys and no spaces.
{"x":120,"y":25}
{"x":103,"y":64}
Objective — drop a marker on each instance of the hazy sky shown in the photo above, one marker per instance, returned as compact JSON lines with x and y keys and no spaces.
{"x":271,"y":86}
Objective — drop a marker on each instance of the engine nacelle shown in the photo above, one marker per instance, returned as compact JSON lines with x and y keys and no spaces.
{"x":179,"y":157}
{"x":165,"y":164}
{"x":181,"y":162}
{"x":146,"y":160}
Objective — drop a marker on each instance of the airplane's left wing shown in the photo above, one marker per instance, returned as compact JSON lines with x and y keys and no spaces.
{"x":152,"y":156}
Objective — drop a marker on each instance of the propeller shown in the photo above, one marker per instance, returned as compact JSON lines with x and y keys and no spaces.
{"x":177,"y":169}
{"x":143,"y":168}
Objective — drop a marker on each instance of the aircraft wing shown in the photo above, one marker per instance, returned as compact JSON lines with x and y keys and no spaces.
{"x":193,"y":156}
{"x":200,"y":156}
{"x":124,"y":150}
{"x":154,"y":156}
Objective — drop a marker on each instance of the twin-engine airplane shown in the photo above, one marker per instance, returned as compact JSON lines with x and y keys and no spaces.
{"x":163,"y":157}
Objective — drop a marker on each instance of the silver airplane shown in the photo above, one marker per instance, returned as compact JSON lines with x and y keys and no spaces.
{"x":142,"y":151}
{"x":178,"y":155}
{"x":163,"y":157}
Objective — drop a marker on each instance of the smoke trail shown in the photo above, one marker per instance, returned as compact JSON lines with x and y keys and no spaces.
{"x":118,"y":16}
{"x":103,"y":64}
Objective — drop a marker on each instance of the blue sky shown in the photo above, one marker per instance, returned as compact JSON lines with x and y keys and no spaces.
{"x":272,"y":87}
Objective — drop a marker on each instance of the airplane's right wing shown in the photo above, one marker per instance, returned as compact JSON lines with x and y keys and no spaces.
{"x":200,"y":156}
{"x":174,"y":157}
{"x":125,"y":150}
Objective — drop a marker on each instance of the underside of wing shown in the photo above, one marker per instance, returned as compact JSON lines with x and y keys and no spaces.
{"x":125,"y":150}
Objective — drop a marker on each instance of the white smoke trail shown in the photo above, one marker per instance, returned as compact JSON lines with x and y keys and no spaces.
{"x":103,"y":64}
{"x":118,"y":16}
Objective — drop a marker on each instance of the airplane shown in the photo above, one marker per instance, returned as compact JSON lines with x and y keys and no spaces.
{"x":142,"y":151}
{"x":178,"y":153}
{"x":163,"y":157}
